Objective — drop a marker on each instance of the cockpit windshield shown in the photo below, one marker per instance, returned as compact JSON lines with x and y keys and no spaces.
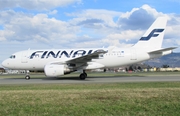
{"x":12,"y":57}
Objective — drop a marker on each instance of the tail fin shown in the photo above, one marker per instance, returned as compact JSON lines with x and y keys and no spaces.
{"x":152,"y":39}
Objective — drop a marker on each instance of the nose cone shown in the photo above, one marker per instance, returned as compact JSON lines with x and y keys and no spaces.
{"x":5,"y":63}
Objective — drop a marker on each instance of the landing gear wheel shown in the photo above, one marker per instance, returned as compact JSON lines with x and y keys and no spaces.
{"x":83,"y":76}
{"x":27,"y":77}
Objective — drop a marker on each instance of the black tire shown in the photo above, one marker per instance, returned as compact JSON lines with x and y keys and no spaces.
{"x":27,"y":77}
{"x":82,"y":76}
{"x":85,"y":74}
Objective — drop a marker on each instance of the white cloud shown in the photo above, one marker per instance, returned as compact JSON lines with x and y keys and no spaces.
{"x":2,"y":36}
{"x":86,"y":28}
{"x":105,"y":17}
{"x":129,"y":28}
{"x":148,"y":11}
{"x":23,"y":27}
{"x":138,"y":18}
{"x":36,"y":4}
{"x":172,"y":34}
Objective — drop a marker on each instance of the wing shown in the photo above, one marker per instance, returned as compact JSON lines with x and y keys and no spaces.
{"x":78,"y":62}
{"x":87,"y":58}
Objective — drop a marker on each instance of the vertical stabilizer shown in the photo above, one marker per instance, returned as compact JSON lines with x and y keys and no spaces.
{"x":152,"y":39}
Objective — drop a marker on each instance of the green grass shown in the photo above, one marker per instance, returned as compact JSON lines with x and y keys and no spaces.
{"x":122,"y":99}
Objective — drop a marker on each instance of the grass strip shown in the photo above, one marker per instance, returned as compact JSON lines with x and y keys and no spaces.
{"x":125,"y":99}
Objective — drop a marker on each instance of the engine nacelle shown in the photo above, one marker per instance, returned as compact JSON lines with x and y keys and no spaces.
{"x":54,"y":70}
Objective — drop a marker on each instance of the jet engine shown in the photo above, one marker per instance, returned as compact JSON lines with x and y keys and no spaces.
{"x":54,"y":70}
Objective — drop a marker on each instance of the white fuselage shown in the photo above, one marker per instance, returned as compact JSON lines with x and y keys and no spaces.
{"x":37,"y":59}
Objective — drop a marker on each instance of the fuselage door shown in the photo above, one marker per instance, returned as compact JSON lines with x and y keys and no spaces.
{"x":24,"y":57}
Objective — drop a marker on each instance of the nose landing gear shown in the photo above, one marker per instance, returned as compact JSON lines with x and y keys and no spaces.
{"x":27,"y":77}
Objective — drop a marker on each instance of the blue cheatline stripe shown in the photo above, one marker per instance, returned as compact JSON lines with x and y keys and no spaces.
{"x":152,"y":34}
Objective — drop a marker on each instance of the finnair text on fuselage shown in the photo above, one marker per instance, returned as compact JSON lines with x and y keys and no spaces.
{"x":60,"y":54}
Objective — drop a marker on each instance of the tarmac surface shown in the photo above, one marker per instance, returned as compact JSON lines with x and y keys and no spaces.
{"x":75,"y":80}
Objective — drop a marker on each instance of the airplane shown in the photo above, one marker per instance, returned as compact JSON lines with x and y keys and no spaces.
{"x":58,"y":62}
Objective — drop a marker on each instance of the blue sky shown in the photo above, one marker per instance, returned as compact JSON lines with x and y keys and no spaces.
{"x":46,"y":24}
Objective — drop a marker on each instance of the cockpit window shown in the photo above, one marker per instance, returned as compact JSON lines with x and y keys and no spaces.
{"x":12,"y":56}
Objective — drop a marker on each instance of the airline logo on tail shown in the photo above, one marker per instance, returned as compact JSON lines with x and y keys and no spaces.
{"x":152,"y":34}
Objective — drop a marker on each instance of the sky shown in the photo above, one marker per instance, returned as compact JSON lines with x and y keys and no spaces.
{"x":61,"y":24}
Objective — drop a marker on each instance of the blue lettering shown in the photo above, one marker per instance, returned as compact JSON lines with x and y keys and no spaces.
{"x":53,"y":54}
{"x":35,"y":54}
{"x":44,"y":54}
{"x":90,"y":51}
{"x":66,"y":54}
{"x":59,"y":54}
{"x":79,"y":53}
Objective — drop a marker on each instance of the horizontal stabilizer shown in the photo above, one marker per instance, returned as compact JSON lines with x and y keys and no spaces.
{"x":162,"y":50}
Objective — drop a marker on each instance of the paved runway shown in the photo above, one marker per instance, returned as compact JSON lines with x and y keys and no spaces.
{"x":88,"y":80}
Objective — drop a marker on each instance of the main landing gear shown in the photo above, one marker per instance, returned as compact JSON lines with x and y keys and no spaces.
{"x":83,"y":75}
